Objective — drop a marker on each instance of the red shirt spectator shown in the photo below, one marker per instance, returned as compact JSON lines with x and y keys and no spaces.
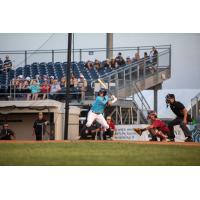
{"x":45,"y":88}
{"x":110,"y":123}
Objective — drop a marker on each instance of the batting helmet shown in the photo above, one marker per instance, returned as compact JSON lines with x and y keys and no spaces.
{"x":102,"y":91}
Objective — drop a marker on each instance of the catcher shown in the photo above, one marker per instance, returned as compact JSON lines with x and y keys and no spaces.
{"x":158,"y":128}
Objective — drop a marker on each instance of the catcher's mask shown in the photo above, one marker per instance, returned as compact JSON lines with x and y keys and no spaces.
{"x":168,"y":97}
{"x":150,"y":113}
{"x":102,"y":91}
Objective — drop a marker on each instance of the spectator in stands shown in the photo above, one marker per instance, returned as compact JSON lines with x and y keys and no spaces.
{"x":55,"y":88}
{"x":35,"y":89}
{"x":61,"y":94}
{"x":25,"y":86}
{"x":7,"y":64}
{"x":113,"y":63}
{"x":45,"y":89}
{"x":109,"y":132}
{"x":107,"y":63}
{"x":1,"y":65}
{"x":51,"y":80}
{"x":6,"y":133}
{"x":45,"y":78}
{"x":74,"y":86}
{"x":82,"y":86}
{"x":89,"y":64}
{"x":120,"y":60}
{"x":73,"y":81}
{"x":97,"y":64}
{"x":137,"y":57}
{"x":128,"y":60}
{"x":155,"y":56}
{"x":153,"y":59}
{"x":147,"y":63}
{"x":18,"y":83}
{"x":63,"y":82}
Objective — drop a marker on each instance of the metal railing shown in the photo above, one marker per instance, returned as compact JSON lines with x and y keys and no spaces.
{"x":137,"y":71}
{"x":21,"y":58}
{"x":128,"y":77}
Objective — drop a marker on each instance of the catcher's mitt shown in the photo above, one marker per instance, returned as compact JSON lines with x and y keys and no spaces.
{"x":139,"y":131}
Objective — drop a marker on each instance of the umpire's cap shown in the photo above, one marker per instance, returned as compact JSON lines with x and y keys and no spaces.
{"x":102,"y":91}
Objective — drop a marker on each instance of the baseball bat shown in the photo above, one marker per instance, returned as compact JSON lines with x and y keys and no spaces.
{"x":103,"y":84}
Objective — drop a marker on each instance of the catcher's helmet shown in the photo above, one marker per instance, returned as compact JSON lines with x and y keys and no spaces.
{"x":102,"y":91}
{"x":152,"y":112}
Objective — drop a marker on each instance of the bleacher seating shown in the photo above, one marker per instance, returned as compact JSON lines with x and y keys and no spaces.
{"x":57,"y":70}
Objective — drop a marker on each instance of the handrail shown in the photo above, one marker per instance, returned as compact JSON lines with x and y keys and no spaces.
{"x":147,"y":106}
{"x":135,"y":64}
{"x":85,"y":49}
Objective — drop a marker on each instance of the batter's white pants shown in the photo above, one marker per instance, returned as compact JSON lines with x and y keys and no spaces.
{"x":99,"y":118}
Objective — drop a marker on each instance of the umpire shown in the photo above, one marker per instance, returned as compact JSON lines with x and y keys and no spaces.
{"x":182,"y":118}
{"x":39,"y":127}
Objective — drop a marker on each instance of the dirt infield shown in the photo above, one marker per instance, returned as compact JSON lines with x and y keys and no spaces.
{"x":101,"y":141}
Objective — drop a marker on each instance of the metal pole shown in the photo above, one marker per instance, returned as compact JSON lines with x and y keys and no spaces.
{"x":68,"y":86}
{"x":170,"y":57}
{"x":80,"y":54}
{"x":109,"y":45}
{"x":73,"y":47}
{"x":155,"y":99}
{"x":52,"y":56}
{"x":25,"y":58}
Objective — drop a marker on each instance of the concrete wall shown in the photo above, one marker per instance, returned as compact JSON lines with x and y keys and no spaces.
{"x":27,"y":113}
{"x":23,"y":129}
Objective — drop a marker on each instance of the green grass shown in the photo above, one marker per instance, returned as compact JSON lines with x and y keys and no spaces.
{"x":95,"y":154}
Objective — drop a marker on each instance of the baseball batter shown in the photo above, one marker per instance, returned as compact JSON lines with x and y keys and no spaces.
{"x":97,"y":109}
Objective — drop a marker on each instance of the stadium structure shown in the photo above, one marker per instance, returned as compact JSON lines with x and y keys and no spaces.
{"x":127,"y":82}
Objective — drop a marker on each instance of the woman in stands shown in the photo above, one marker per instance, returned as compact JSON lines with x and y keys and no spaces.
{"x":35,"y":89}
{"x":113,"y":63}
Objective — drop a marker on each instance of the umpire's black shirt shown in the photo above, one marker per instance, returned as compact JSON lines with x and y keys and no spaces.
{"x":177,"y":108}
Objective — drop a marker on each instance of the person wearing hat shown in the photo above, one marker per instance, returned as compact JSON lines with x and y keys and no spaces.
{"x":97,"y":109}
{"x":7,"y":64}
{"x":120,"y":60}
{"x":182,"y":117}
{"x":128,"y":60}
{"x":157,"y":127}
{"x":82,"y":87}
{"x":54,"y":89}
{"x":39,"y":127}
{"x":6,"y":133}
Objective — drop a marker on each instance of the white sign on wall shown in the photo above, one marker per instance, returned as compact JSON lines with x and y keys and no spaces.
{"x":126,"y":132}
